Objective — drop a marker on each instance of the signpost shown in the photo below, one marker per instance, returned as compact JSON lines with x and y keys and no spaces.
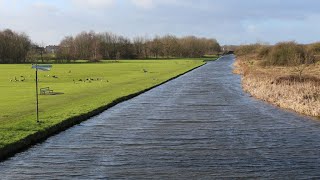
{"x":39,"y":68}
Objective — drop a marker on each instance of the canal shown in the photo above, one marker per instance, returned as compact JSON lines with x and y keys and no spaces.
{"x":198,"y":126}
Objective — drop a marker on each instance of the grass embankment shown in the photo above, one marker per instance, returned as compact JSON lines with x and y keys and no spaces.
{"x":282,"y":85}
{"x":208,"y":58}
{"x":82,"y":88}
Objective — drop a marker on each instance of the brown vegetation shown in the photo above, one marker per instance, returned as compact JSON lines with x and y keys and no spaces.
{"x":14,"y":47}
{"x":93,"y":46}
{"x":286,"y":75}
{"x":18,"y":48}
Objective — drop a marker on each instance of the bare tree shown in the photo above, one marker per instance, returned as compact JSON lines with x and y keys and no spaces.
{"x":14,"y":46}
{"x":302,"y":62}
{"x":93,"y":46}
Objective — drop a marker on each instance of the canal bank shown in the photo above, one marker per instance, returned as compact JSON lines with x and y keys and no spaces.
{"x":40,"y":136}
{"x":198,"y":126}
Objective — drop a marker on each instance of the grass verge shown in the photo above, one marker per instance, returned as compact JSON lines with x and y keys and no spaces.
{"x":84,"y":90}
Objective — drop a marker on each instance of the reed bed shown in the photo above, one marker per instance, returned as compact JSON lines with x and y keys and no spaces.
{"x":281,"y":86}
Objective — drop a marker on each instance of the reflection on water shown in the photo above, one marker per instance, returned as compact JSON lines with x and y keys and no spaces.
{"x":199,"y":126}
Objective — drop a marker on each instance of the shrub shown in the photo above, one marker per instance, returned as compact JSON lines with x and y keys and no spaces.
{"x":247,"y":49}
{"x":285,"y":54}
{"x":314,"y":48}
{"x":264,"y":51}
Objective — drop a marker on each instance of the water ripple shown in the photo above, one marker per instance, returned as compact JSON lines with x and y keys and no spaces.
{"x":199,"y":126}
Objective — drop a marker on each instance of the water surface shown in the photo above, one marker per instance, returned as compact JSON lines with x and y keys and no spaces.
{"x":199,"y":126}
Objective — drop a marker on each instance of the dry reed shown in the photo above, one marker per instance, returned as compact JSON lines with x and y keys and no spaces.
{"x":281,"y":86}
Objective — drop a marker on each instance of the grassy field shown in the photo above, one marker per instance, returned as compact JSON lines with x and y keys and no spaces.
{"x":81,"y":88}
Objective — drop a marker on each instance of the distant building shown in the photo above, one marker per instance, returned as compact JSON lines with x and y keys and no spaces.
{"x":51,"y":49}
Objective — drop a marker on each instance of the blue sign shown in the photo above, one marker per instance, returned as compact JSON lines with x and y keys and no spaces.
{"x":42,"y":67}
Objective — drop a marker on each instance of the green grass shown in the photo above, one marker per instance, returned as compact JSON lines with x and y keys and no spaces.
{"x":117,"y":79}
{"x":214,"y":56}
{"x":208,"y":58}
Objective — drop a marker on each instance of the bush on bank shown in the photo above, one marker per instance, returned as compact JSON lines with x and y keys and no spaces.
{"x":282,"y":54}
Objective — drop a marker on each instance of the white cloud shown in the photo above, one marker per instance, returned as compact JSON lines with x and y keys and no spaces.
{"x":44,"y":7}
{"x":146,"y":4}
{"x":149,"y":4}
{"x":94,"y":4}
{"x":252,"y":28}
{"x":231,"y":21}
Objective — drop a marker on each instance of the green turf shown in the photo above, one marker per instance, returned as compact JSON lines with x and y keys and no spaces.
{"x":111,"y":81}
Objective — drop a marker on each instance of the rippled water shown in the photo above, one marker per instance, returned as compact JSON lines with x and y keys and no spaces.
{"x":199,"y":126}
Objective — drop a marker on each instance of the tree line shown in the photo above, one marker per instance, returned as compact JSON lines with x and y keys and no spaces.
{"x":18,"y":48}
{"x":96,"y":46}
{"x":14,"y":47}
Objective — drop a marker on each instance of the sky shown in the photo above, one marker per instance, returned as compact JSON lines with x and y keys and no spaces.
{"x":47,"y":22}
